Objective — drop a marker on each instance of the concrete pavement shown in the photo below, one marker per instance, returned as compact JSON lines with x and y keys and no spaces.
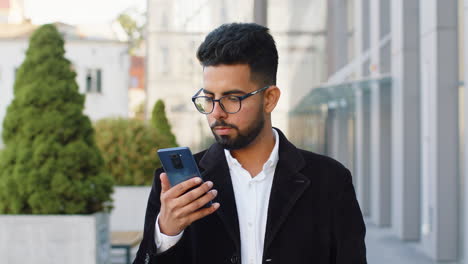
{"x":383,"y":247}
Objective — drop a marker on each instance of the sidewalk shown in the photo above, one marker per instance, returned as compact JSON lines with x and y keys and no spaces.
{"x":382,"y":248}
{"x":385,"y":248}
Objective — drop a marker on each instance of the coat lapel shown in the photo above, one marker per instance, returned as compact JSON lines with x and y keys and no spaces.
{"x":288,"y":185}
{"x":216,"y":169}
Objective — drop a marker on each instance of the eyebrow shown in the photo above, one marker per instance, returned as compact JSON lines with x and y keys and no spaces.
{"x":234,"y":91}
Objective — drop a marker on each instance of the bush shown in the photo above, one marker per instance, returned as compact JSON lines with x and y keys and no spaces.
{"x":50,"y":164}
{"x":160,"y":122}
{"x":129,"y":149}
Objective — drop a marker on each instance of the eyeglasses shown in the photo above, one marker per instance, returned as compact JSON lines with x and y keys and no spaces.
{"x":230,"y":104}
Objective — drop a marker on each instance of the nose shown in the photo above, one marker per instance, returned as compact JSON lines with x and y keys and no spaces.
{"x":218,"y":112}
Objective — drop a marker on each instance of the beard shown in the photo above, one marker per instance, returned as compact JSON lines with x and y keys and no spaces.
{"x":243,"y":139}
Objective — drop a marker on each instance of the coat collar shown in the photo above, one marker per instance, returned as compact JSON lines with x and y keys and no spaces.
{"x":288,"y":186}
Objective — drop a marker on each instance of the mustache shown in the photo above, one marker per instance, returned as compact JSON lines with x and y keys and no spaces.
{"x":223,"y":124}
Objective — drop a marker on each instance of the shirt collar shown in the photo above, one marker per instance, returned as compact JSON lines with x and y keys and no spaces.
{"x":270,"y":163}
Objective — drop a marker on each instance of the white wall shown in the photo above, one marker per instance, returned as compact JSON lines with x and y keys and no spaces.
{"x":55,"y":239}
{"x":129,"y":209}
{"x":110,"y":57}
{"x":113,"y":59}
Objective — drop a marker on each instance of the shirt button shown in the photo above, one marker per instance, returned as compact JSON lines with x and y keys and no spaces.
{"x":250,"y":224}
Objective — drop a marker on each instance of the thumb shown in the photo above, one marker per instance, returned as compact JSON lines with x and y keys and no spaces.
{"x":165,"y":184}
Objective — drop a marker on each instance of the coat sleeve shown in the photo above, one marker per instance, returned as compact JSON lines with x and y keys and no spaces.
{"x":348,"y":226}
{"x":179,"y":253}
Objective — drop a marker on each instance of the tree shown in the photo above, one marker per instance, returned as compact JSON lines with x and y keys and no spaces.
{"x":50,"y":164}
{"x":129,"y":149}
{"x":133,"y":23}
{"x":160,"y":122}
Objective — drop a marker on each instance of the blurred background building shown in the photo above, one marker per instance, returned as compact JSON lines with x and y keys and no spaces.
{"x":393,"y":110}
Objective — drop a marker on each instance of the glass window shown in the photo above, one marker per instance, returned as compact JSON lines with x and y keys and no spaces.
{"x":94,"y":81}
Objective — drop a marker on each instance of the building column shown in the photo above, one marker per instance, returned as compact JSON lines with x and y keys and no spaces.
{"x":337,"y":35}
{"x":380,"y":119}
{"x":362,"y":129}
{"x":337,"y":132}
{"x":439,"y":128}
{"x":464,"y":226}
{"x":380,"y":153}
{"x":362,"y":115}
{"x":330,"y":130}
{"x":362,"y":35}
{"x":406,"y":133}
{"x":260,"y":12}
{"x":342,"y":145}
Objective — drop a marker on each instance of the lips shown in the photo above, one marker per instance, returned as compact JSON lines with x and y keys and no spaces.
{"x":222,"y":130}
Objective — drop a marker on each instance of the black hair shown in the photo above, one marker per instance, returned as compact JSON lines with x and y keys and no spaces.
{"x":242,"y":43}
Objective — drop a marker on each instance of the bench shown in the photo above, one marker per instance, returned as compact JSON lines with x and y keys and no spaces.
{"x":126,"y":240}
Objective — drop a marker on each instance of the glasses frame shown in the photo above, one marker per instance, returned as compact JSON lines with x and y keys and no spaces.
{"x":241,"y":98}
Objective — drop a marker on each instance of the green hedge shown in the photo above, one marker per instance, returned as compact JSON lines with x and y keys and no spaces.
{"x":50,"y":164}
{"x":129,"y":149}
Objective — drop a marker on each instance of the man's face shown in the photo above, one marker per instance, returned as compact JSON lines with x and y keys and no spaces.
{"x":234,"y":131}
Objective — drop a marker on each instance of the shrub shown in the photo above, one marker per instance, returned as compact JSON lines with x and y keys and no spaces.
{"x":160,"y":122}
{"x":50,"y":164}
{"x":129,"y":149}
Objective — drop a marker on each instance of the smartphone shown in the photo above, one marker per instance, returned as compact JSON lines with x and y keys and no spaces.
{"x":179,"y":165}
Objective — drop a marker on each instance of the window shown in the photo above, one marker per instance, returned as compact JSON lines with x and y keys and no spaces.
{"x":94,"y":81}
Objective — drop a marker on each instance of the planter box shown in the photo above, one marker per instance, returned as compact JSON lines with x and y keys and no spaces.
{"x":129,"y":208}
{"x":55,"y":239}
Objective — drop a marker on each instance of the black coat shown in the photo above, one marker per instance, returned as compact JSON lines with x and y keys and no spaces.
{"x":313,"y":215}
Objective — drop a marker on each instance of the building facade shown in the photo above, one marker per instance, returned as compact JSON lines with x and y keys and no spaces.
{"x":393,"y":110}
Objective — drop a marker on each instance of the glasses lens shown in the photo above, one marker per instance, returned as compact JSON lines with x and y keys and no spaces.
{"x":231,"y":104}
{"x":204,"y":104}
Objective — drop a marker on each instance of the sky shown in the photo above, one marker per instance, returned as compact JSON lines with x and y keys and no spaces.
{"x":78,"y":11}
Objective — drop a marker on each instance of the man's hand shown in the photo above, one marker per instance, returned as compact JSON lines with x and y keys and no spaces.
{"x":180,"y":208}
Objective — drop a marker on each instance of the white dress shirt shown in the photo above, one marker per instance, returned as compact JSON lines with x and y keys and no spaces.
{"x":252,"y":195}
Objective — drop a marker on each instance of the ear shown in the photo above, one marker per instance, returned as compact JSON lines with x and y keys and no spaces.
{"x":271,"y":98}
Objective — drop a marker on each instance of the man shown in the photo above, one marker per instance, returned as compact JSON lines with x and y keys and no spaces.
{"x":272,"y":202}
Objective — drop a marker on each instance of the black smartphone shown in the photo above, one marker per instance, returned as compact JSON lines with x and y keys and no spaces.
{"x":179,"y":165}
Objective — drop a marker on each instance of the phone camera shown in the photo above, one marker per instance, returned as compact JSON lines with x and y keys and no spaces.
{"x":176,"y":161}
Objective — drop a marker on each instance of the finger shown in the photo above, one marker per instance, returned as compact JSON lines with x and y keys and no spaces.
{"x":183,"y":187}
{"x":199,"y":203}
{"x":203,"y":212}
{"x":194,"y":194}
{"x":165,"y":184}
